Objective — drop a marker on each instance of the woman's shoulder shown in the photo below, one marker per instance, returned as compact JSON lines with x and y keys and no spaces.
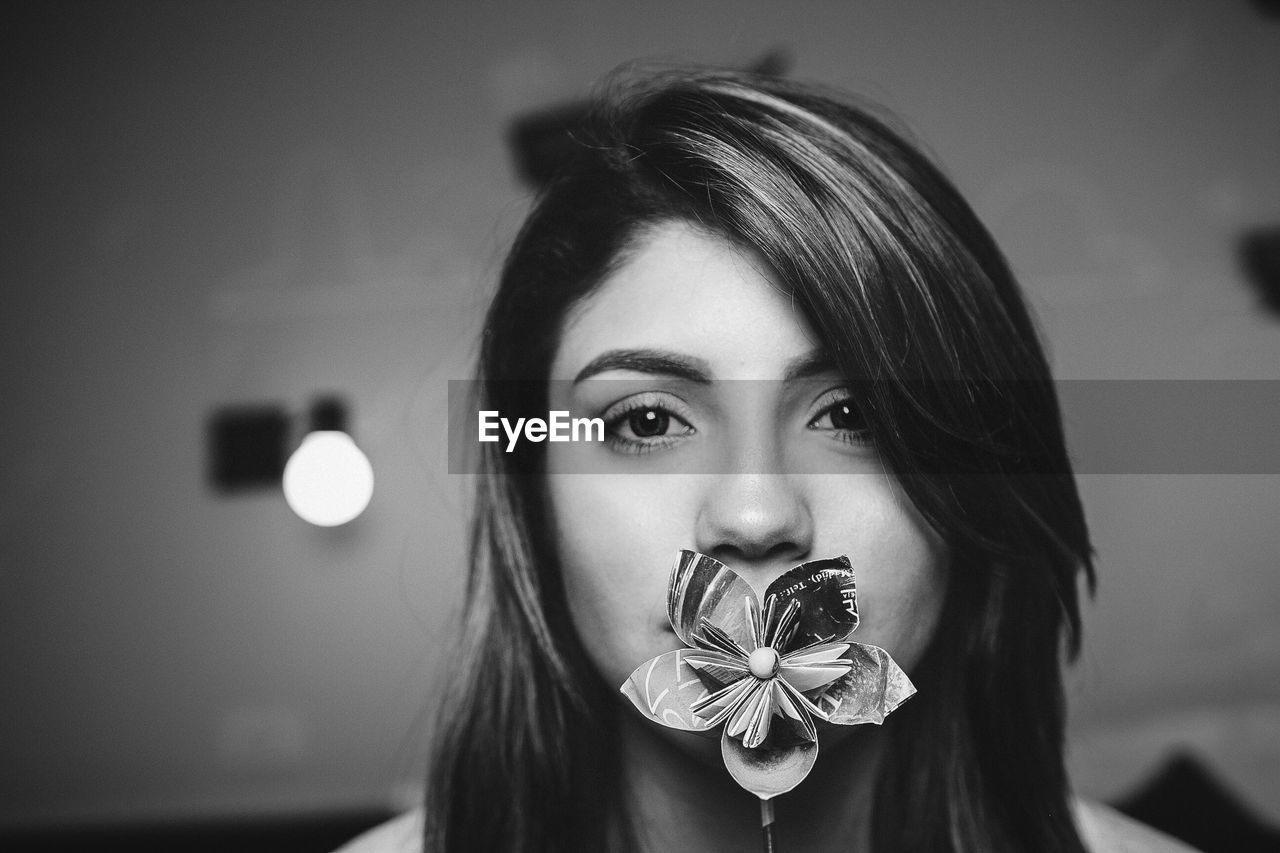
{"x":1105,"y":830}
{"x":398,"y":835}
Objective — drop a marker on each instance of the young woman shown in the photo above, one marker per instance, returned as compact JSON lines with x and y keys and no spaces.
{"x":803,"y":344}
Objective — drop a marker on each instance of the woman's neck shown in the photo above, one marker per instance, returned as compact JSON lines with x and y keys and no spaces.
{"x":680,"y":797}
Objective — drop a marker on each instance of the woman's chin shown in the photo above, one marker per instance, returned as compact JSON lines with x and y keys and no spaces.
{"x":703,"y":748}
{"x":841,"y":749}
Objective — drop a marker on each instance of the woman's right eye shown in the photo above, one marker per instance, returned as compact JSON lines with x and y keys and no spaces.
{"x":839,"y":417}
{"x":647,"y":423}
{"x":644,"y":425}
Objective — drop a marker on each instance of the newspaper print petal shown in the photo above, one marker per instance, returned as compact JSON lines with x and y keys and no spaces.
{"x":816,"y":666}
{"x":664,"y":690}
{"x":712,"y":639}
{"x":702,"y":587}
{"x":874,"y":688}
{"x":715,"y":708}
{"x":768,"y":770}
{"x":752,"y":718}
{"x":718,"y":668}
{"x":789,"y":709}
{"x":828,"y":600}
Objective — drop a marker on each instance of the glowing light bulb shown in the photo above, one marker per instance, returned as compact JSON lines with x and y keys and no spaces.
{"x":328,"y":480}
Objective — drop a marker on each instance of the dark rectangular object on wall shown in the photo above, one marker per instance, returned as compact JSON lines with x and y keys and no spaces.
{"x":248,"y":447}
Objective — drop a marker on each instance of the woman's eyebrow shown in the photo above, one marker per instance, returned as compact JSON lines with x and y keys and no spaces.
{"x":692,"y":369}
{"x":648,"y":361}
{"x":810,"y":364}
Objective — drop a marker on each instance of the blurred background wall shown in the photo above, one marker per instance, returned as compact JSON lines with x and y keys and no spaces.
{"x":213,"y":204}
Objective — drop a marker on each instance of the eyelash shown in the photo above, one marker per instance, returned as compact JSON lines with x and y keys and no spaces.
{"x":830,"y":402}
{"x":618,"y":415}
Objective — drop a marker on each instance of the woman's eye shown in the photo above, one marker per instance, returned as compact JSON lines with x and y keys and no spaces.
{"x":842,"y":418}
{"x":644,"y":426}
{"x":647,"y":423}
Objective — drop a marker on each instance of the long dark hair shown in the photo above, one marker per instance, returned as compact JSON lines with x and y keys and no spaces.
{"x":918,"y":308}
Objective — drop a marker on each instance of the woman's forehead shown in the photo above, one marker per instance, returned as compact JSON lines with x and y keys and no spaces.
{"x":681,"y":290}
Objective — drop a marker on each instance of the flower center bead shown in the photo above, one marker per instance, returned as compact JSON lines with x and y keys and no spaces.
{"x":763,"y":662}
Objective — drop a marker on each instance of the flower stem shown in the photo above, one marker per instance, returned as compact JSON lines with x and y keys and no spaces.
{"x":766,"y":825}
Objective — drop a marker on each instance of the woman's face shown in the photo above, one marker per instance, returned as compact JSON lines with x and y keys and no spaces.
{"x":781,"y":474}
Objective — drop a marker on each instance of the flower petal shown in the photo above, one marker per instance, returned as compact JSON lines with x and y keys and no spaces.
{"x":802,"y":702}
{"x":811,"y":668}
{"x":664,"y":690}
{"x":714,"y":708}
{"x":787,"y":708}
{"x":755,"y":622}
{"x":719,"y":668}
{"x":816,"y":653}
{"x":761,"y":717}
{"x":702,"y":587}
{"x":711,"y":638}
{"x":778,"y":632}
{"x":869,"y":692}
{"x":751,"y":719}
{"x":828,"y":599}
{"x":768,"y":770}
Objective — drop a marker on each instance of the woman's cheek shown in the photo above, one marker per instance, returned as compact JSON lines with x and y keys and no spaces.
{"x":615,"y":561}
{"x":900,"y":562}
{"x":901,"y":614}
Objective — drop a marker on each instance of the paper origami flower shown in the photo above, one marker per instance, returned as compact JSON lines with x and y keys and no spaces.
{"x":766,"y":672}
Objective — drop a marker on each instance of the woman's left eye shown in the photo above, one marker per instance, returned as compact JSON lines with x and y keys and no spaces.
{"x":840,"y":415}
{"x":645,"y":424}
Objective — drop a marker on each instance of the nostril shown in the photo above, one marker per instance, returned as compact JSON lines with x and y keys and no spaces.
{"x":760,"y":522}
{"x":748,"y":554}
{"x":788,"y":552}
{"x":760,"y":567}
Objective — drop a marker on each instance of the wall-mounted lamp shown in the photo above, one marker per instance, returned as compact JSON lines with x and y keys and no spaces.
{"x":1260,"y":255}
{"x":328,"y":480}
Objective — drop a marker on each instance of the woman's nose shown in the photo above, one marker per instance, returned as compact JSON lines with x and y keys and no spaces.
{"x":759,"y":524}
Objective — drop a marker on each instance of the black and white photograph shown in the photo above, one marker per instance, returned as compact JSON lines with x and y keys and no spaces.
{"x":640,"y":426}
